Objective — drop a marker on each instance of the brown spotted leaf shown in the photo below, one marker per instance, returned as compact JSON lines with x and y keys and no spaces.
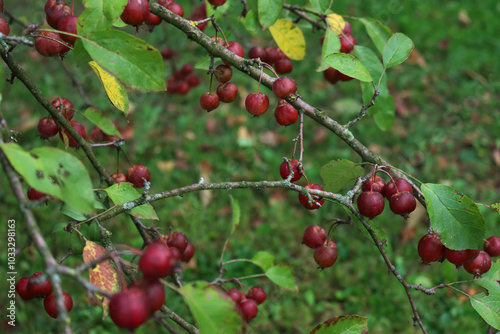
{"x":346,"y":324}
{"x":104,"y":275}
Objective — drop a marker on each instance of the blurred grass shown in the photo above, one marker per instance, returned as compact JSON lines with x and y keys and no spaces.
{"x":446,"y":131}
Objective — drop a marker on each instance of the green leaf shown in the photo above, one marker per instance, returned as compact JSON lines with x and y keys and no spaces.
{"x":496,"y":207}
{"x":203,"y":63}
{"x":95,"y":116}
{"x":136,"y":64}
{"x":349,"y":65}
{"x":94,"y":232}
{"x":212,"y":310}
{"x":488,"y":305}
{"x":72,"y":213}
{"x":263,"y":260}
{"x":235,"y":205}
{"x":337,"y":173}
{"x":125,"y":192}
{"x":53,"y":172}
{"x":99,"y":14}
{"x":251,"y":22}
{"x":289,"y":38}
{"x":454,"y":217}
{"x":397,"y":50}
{"x":269,"y":11}
{"x":282,"y":275}
{"x":58,"y":227}
{"x":318,"y":6}
{"x":383,"y":110}
{"x":345,"y":324}
{"x":77,"y":243}
{"x":378,"y":32}
{"x":331,"y":44}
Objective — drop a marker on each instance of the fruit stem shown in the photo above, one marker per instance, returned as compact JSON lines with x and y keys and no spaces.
{"x":126,"y":156}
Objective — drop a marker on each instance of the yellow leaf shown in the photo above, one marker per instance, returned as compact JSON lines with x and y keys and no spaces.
{"x":335,"y":23}
{"x":289,"y":38}
{"x":104,"y":275}
{"x":117,"y":95}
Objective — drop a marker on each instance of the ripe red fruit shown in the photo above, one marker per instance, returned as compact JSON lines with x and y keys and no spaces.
{"x":492,"y":246}
{"x":480,"y":265}
{"x":153,"y":20}
{"x":285,"y":114}
{"x":284,"y":171}
{"x":374,"y":184}
{"x":235,"y":48}
{"x":272,"y":54}
{"x":57,"y":12}
{"x":39,"y":286}
{"x":217,"y":3}
{"x":402,"y":203}
{"x":79,"y":128}
{"x":51,"y":3}
{"x":283,"y":66}
{"x":347,"y":28}
{"x":34,"y":195}
{"x":209,"y":101}
{"x":22,"y":289}
{"x":430,"y":248}
{"x":314,"y":236}
{"x":257,"y":103}
{"x":347,"y":43}
{"x":48,"y":43}
{"x":136,"y":173}
{"x":178,"y":240}
{"x":258,"y":294}
{"x":219,"y":40}
{"x":317,"y":200}
{"x":68,"y":24}
{"x":187,"y":69}
{"x":397,"y":185}
{"x":176,"y":8}
{"x":67,"y":108}
{"x":119,"y":177}
{"x":182,"y":88}
{"x":135,"y":12}
{"x":47,"y":127}
{"x":284,"y":87}
{"x":249,"y":309}
{"x":223,"y":73}
{"x":235,"y":294}
{"x":344,"y":77}
{"x":192,"y":80}
{"x":50,"y":305}
{"x":326,"y":255}
{"x":370,"y":203}
{"x":188,"y":253}
{"x":154,"y":291}
{"x":227,"y":92}
{"x":128,"y":308}
{"x":331,"y":75}
{"x":257,"y":52}
{"x":168,"y":53}
{"x":459,"y":257}
{"x":4,"y":26}
{"x":155,"y":261}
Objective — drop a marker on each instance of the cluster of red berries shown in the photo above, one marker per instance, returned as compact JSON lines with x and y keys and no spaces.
{"x":182,"y":80}
{"x":38,"y":286}
{"x":317,"y":201}
{"x":398,"y":192}
{"x":248,"y":304}
{"x":474,"y":261}
{"x":47,"y":126}
{"x":132,"y":307}
{"x":136,"y":12}
{"x":347,"y":43}
{"x":325,"y":251}
{"x":274,"y":57}
{"x":135,"y":175}
{"x":60,"y":17}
